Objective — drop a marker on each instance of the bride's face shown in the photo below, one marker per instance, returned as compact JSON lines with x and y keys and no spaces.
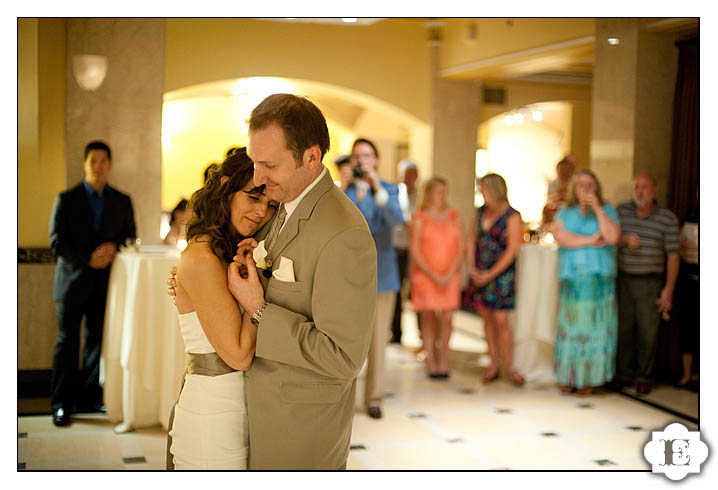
{"x":250,"y":210}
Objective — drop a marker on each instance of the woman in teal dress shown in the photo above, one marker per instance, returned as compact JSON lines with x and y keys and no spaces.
{"x":586,"y":230}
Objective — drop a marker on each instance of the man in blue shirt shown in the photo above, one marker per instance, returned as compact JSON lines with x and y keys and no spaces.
{"x":379,"y":203}
{"x":89,"y":222}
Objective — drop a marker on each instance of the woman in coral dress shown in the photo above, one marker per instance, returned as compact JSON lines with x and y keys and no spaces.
{"x":436,"y":251}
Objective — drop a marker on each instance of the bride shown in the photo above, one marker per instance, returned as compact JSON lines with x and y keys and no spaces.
{"x":209,"y":430}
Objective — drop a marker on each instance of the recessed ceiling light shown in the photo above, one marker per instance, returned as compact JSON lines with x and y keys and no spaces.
{"x":349,"y":20}
{"x":613,"y":40}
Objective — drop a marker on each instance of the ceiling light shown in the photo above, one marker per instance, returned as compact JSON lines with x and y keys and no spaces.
{"x":349,"y":20}
{"x":537,"y":115}
{"x":613,"y":40}
{"x":519,"y":118}
{"x":509,"y":119}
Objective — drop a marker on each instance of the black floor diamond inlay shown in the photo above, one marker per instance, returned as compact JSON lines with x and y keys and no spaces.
{"x":134,"y":460}
{"x":549,"y":434}
{"x":467,"y":391}
{"x":504,"y":410}
{"x":417,"y":415}
{"x":22,"y":435}
{"x":604,"y":462}
{"x":634,"y":427}
{"x":585,"y":405}
{"x":357,"y":446}
{"x":454,"y":441}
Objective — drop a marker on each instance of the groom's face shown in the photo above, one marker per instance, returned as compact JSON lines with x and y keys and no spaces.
{"x":275,"y":166}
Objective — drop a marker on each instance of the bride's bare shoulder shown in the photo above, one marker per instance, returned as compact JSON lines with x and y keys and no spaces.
{"x":197,"y":256}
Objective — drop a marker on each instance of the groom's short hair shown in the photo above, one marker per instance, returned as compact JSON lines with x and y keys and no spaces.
{"x":303,"y":123}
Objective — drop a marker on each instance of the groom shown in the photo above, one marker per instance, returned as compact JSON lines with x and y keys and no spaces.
{"x":314,"y":320}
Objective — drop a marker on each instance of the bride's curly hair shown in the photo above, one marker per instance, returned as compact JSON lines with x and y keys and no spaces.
{"x":211,"y":205}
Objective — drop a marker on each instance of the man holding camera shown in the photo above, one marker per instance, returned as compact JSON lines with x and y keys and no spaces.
{"x":379,"y":203}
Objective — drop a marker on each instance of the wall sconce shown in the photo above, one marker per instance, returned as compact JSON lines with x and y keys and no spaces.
{"x":89,"y":70}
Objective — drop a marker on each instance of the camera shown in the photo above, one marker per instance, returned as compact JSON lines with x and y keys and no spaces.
{"x":358,"y":172}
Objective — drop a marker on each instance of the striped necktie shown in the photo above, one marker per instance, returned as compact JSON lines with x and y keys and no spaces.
{"x":274,"y":230}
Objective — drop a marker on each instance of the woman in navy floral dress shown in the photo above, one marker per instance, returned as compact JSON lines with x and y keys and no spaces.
{"x":496,"y":235}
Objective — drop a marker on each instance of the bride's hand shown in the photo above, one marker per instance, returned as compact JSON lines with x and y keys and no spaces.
{"x":247,"y":290}
{"x":244,"y":248}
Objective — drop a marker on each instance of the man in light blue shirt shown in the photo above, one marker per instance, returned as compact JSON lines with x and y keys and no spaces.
{"x":379,"y":203}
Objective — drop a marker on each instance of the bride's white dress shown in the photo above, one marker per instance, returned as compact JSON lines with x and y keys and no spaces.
{"x":210,"y":423}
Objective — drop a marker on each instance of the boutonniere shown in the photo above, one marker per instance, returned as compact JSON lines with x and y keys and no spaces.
{"x":263,"y":262}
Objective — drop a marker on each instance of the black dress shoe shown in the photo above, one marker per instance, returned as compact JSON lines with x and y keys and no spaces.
{"x":374,"y":412}
{"x":60,"y":418}
{"x":643,"y":388}
{"x":94,"y":408}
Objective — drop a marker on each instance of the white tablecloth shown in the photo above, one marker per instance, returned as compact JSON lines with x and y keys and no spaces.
{"x":142,"y":352}
{"x":534,"y":320}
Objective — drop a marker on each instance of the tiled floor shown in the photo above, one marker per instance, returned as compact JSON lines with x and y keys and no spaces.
{"x":456,"y":424}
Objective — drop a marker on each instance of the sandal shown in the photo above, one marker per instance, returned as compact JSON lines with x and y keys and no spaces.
{"x":490,"y":376}
{"x":516,"y":378}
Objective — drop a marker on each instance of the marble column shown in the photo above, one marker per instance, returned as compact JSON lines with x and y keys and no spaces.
{"x":455,"y":120}
{"x":125,"y":110}
{"x":633,"y":89}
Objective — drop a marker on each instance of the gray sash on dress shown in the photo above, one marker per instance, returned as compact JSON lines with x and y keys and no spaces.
{"x":209,"y":364}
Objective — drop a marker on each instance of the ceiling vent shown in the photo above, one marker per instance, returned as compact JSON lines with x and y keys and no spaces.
{"x":494,"y":95}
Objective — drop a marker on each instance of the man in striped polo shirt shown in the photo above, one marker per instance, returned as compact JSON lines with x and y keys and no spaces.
{"x":648,"y":259}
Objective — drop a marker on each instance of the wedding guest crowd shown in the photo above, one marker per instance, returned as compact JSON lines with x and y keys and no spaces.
{"x":558,"y":189}
{"x":378,"y":201}
{"x":89,"y":222}
{"x":491,"y":258}
{"x":648,"y":262}
{"x":408,"y":177}
{"x":688,"y":298}
{"x":586,"y":230}
{"x":437,"y":244}
{"x":179,"y":217}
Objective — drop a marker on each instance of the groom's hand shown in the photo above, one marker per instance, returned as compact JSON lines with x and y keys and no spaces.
{"x":247,"y":290}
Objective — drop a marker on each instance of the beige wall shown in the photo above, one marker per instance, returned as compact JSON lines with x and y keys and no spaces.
{"x":41,"y":125}
{"x":387,"y":60}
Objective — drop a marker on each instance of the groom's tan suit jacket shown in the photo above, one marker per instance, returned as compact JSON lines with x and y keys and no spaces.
{"x":313,"y":337}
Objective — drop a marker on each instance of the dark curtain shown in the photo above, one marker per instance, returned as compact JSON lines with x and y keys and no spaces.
{"x":682,"y":198}
{"x":682,"y":191}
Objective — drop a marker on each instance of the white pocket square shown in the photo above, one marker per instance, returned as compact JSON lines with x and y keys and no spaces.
{"x":285,"y":271}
